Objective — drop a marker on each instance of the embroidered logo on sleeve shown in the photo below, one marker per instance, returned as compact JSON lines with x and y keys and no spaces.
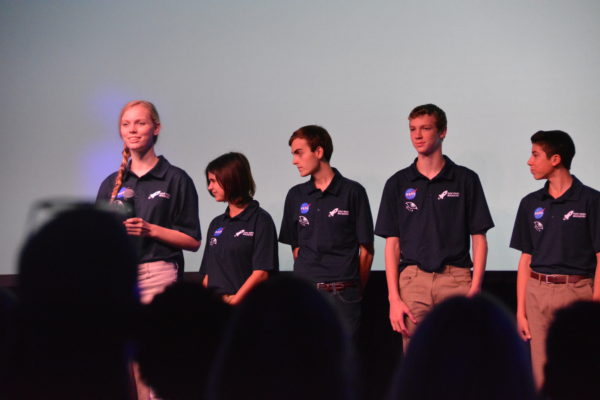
{"x":160,"y":194}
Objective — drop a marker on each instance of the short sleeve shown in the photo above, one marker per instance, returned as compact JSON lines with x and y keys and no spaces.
{"x":105,"y":190}
{"x":479,"y":217}
{"x":265,"y":251}
{"x":186,"y":218}
{"x":387,"y":217}
{"x":288,"y":233}
{"x":521,"y":236}
{"x":364,"y":218}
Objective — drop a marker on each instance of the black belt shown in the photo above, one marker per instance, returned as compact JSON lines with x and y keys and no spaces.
{"x":335,"y":286}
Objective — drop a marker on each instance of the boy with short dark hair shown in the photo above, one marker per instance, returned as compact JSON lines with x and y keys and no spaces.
{"x":557,"y":230}
{"x":327,"y":222}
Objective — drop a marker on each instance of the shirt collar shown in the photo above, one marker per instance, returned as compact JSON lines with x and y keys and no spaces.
{"x":334,"y":185}
{"x":572,"y":194}
{"x":446,"y":173}
{"x":246,"y":214}
{"x":158,"y":171}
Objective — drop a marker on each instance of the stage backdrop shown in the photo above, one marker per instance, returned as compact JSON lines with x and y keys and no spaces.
{"x":243,"y":75}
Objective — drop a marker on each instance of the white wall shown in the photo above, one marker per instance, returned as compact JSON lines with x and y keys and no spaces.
{"x":243,"y":75}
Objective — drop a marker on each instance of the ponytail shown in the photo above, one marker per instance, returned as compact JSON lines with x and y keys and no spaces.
{"x":119,"y":179}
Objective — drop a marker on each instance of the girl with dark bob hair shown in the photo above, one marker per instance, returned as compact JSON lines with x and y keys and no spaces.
{"x":241,"y":247}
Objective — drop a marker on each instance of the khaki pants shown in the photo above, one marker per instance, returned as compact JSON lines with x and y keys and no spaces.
{"x":422,"y":290}
{"x":154,"y":277}
{"x":542,"y":300}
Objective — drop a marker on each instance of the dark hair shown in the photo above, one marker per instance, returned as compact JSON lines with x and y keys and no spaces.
{"x":556,"y":142}
{"x":315,"y":136}
{"x":78,"y":303}
{"x":183,"y":328}
{"x":573,"y":355}
{"x":232,"y":171}
{"x":431,"y":109}
{"x":288,"y":328}
{"x":470,"y":348}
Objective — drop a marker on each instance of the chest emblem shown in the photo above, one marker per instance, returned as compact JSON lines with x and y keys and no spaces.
{"x":538,"y":226}
{"x":573,"y":214}
{"x":410,"y":206}
{"x":158,"y":193}
{"x":337,"y":211}
{"x":538,"y":213}
{"x":304,"y":208}
{"x":303,"y":221}
{"x":448,"y":194}
{"x":218,"y":231}
{"x":410,"y":193}
{"x":243,"y":233}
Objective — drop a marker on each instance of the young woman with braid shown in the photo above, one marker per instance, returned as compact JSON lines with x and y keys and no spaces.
{"x":163,"y":206}
{"x":164,"y":218}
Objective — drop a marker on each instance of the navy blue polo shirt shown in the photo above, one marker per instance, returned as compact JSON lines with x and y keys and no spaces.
{"x":434,"y":218}
{"x":562,"y":235}
{"x":328,"y":227}
{"x":165,"y":196}
{"x":238,"y":246}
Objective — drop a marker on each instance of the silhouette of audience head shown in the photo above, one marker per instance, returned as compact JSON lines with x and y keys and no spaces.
{"x":284,"y":342}
{"x":77,"y":293}
{"x":573,"y":355}
{"x":183,"y":328}
{"x":81,"y":259}
{"x":466,"y":348}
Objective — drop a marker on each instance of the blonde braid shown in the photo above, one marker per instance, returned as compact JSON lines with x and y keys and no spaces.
{"x":119,"y":179}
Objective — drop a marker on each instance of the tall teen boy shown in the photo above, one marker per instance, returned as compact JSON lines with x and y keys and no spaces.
{"x":429,"y":214}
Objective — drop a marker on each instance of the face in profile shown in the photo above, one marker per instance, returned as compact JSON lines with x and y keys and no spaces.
{"x":306,"y":160}
{"x":540,"y":165}
{"x":138,"y":131}
{"x":215,"y":188}
{"x":424,"y":134}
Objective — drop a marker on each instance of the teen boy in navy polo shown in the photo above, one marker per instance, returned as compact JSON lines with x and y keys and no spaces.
{"x":327,"y":221}
{"x":557,"y":230}
{"x":428,"y":213}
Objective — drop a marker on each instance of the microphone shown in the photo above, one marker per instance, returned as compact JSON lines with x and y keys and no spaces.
{"x":129,"y":202}
{"x":124,"y":203}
